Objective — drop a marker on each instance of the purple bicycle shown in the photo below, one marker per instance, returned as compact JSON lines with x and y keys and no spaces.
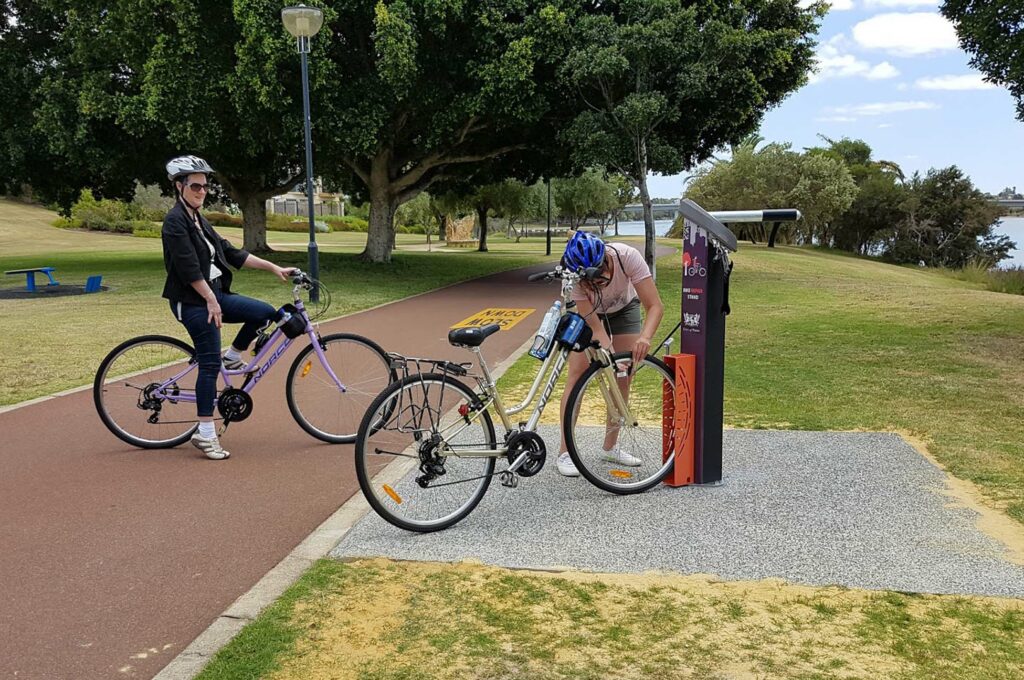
{"x":145,"y":388}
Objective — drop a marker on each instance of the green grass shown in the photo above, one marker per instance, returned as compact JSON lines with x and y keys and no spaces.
{"x":57,"y":343}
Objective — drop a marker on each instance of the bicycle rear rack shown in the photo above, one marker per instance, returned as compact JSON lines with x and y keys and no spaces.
{"x":405,"y":417}
{"x":402,"y":364}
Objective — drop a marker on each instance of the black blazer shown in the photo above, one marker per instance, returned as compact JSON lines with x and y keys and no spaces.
{"x":187,"y":256}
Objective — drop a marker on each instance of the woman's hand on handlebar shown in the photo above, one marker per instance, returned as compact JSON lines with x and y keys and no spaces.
{"x":284,"y":273}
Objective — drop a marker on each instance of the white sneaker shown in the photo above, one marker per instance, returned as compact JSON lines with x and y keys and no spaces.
{"x":211,"y":447}
{"x":233,"y":364}
{"x":566,"y":467}
{"x":620,"y":457}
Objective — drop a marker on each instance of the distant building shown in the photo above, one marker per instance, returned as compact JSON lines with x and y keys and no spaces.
{"x":294,"y":202}
{"x":1009,"y":194}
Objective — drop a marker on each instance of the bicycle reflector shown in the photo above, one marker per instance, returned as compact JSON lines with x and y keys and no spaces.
{"x":394,"y":495}
{"x":306,"y":368}
{"x":621,"y":474}
{"x":463,"y":410}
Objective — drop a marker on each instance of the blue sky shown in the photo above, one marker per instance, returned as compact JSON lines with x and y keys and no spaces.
{"x":890,"y":72}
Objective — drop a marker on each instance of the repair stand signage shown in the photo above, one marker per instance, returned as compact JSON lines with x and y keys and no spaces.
{"x":704,"y":306}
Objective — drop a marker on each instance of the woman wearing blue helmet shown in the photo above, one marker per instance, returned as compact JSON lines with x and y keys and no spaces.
{"x":610,"y":302}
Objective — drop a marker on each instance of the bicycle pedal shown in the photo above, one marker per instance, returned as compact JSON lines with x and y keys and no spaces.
{"x":509,"y":479}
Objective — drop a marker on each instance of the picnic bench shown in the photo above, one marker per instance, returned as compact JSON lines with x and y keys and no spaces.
{"x":30,"y":276}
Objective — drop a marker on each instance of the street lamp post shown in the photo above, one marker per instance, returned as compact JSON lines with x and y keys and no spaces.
{"x":548,"y":182}
{"x":303,"y":23}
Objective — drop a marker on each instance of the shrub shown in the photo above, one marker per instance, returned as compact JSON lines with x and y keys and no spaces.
{"x":360,"y":211}
{"x":220,"y":219}
{"x":145,"y":229}
{"x":346,"y":223}
{"x":412,"y":229}
{"x":149,"y":203}
{"x":103,"y":215}
{"x":1010,"y":280}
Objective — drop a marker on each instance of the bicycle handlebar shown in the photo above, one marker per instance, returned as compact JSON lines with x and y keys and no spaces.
{"x":560,"y":272}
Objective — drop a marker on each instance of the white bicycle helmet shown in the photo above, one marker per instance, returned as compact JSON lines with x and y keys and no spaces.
{"x":186,"y":165}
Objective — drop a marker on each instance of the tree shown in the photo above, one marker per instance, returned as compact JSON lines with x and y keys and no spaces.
{"x":514,"y":201}
{"x":34,"y":45}
{"x":428,"y":91}
{"x":949,"y":223}
{"x":625,"y":193}
{"x":580,"y":198}
{"x":666,"y":83}
{"x":777,"y":177}
{"x":989,"y":31}
{"x":405,"y":94}
{"x":877,"y":207}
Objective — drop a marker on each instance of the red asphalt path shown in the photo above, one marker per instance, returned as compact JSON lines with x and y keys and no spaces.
{"x":113,"y":559}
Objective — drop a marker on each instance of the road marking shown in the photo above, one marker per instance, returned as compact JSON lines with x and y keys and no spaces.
{"x":506,"y":318}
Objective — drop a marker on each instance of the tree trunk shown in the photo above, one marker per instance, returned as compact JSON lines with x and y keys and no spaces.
{"x":380,"y":235}
{"x":481,"y":214}
{"x":616,"y":224}
{"x":645,"y":199}
{"x":254,"y":221}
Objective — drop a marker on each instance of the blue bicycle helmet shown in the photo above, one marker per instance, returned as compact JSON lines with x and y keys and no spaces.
{"x":583,"y":250}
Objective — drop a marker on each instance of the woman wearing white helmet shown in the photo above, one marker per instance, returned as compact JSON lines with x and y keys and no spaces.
{"x":198,"y":286}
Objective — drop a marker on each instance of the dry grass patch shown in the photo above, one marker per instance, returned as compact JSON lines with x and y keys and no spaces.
{"x":381,"y":619}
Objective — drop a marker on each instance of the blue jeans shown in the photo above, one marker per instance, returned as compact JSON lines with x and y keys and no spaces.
{"x":252,"y":314}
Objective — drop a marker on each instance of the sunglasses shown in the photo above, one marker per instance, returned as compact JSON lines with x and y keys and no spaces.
{"x":196,"y":186}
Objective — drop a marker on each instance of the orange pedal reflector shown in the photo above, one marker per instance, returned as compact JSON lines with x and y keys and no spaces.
{"x":621,"y":474}
{"x":306,"y":369}
{"x":394,"y":496}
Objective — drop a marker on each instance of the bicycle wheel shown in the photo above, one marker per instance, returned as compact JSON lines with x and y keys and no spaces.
{"x":134,"y":391}
{"x":592,"y":426}
{"x":316,"y":403}
{"x":407,"y":452}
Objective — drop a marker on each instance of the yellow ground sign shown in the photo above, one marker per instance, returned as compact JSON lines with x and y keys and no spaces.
{"x":506,"y":318}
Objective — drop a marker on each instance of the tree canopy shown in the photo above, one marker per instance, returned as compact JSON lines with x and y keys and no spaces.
{"x":775,"y":176}
{"x":990,"y":31}
{"x":406,"y":94}
{"x":663,"y":84}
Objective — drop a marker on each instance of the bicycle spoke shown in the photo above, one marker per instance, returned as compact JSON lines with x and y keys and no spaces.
{"x":407,"y":460}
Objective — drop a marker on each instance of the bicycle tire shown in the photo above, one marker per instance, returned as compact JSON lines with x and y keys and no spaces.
{"x":324,"y":412}
{"x":586,"y":446}
{"x":399,"y":505}
{"x":115,"y":417}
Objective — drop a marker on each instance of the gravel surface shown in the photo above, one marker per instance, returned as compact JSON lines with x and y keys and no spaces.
{"x":862,"y":510}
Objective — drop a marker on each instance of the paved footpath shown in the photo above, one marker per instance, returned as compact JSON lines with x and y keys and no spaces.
{"x":113,"y":559}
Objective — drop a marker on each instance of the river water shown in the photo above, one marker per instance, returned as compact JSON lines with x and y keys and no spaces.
{"x":1011,"y":226}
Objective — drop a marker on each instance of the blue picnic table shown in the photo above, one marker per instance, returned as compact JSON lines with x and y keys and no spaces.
{"x":30,"y":276}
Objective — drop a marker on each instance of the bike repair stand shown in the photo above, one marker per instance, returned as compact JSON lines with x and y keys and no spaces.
{"x":699,"y":368}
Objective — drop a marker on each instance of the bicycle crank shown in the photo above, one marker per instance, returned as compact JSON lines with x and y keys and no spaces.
{"x":530,"y":444}
{"x":234,"y":405}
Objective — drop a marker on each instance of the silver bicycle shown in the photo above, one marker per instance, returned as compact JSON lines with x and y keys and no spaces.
{"x":426,"y":449}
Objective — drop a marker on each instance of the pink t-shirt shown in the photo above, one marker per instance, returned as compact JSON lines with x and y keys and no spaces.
{"x":630,"y":268}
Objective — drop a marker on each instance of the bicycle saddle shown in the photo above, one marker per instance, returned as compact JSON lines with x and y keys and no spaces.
{"x":471,"y":337}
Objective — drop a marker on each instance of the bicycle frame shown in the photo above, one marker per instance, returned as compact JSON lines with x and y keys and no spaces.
{"x":555,"y":361}
{"x":272,"y":349}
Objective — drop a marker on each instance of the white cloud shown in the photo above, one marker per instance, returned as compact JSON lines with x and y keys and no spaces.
{"x":906,"y":34}
{"x":849,"y":114}
{"x":901,"y":3}
{"x":832,"y":60}
{"x":882,"y":126}
{"x":971,"y":81}
{"x":834,"y":5}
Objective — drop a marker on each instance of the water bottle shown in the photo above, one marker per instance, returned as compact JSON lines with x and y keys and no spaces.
{"x":546,"y":332}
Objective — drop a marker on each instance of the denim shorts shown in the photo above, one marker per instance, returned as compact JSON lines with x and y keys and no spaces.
{"x":626,"y":321}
